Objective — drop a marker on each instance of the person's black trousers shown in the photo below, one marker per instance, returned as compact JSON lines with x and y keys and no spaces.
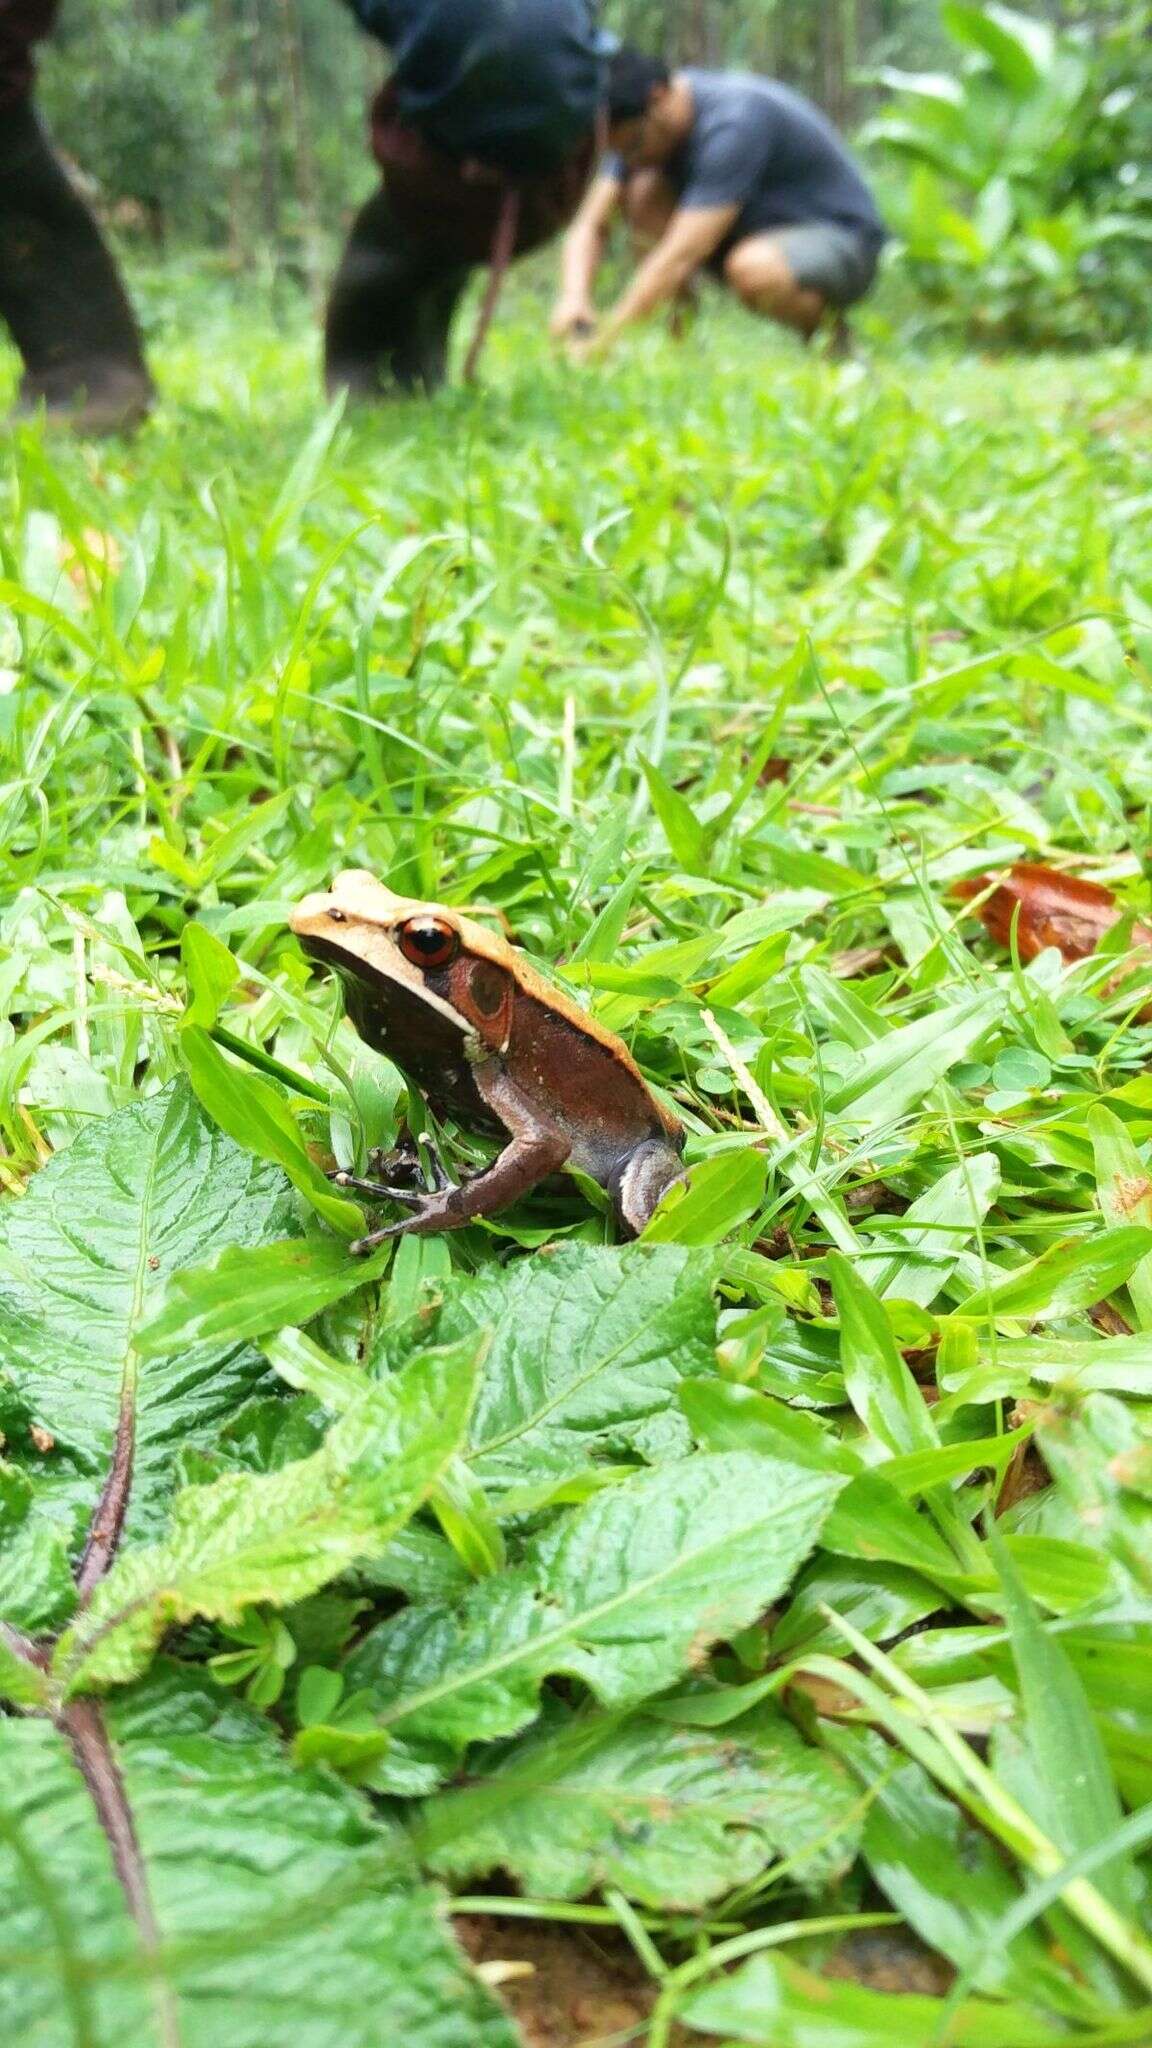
{"x":390,"y":308}
{"x":60,"y":293}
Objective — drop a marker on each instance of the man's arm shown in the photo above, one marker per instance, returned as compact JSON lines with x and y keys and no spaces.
{"x":581,"y":257}
{"x":688,"y":241}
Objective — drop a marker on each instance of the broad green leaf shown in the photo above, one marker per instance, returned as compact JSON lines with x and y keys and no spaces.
{"x":920,"y":1471}
{"x":1056,"y":1724}
{"x":719,"y":1194}
{"x":252,"y":825}
{"x":588,"y":1346}
{"x":772,"y":2003}
{"x":287,"y":1915}
{"x":244,"y":1293}
{"x":1019,"y":46}
{"x":86,"y":1253}
{"x":256,"y":1116}
{"x":882,"y":1600}
{"x":900,"y":1070}
{"x":1097,"y":1454}
{"x":880,"y":1386}
{"x":279,"y":1536}
{"x":304,"y":1365}
{"x":601,"y":941}
{"x":211,"y":972}
{"x":682,"y":828}
{"x":944,"y":1875}
{"x":671,"y":1817}
{"x":622,"y":1594}
{"x":728,"y":1417}
{"x":913,"y":1262}
{"x":1059,"y":1575}
{"x":1125,"y":1191}
{"x":1120,"y":1365}
{"x":1068,"y":1277}
{"x":872,"y":1522}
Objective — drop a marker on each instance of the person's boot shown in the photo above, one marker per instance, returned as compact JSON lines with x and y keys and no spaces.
{"x":390,"y":310}
{"x":60,"y":294}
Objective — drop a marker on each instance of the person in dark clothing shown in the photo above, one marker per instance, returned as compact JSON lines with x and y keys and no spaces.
{"x":486,"y":135}
{"x":60,"y":294}
{"x":730,"y":172}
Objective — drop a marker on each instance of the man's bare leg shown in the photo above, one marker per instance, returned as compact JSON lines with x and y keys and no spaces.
{"x":758,"y":272}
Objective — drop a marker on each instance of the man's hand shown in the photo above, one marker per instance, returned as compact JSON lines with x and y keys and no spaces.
{"x":689,"y":239}
{"x":572,"y":320}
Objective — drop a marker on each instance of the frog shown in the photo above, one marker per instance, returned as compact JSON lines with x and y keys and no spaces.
{"x":492,"y":1044}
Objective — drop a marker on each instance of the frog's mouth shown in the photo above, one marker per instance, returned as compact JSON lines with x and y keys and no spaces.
{"x":413,"y":1026}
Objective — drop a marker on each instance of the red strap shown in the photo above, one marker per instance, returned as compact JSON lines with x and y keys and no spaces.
{"x":503,"y":250}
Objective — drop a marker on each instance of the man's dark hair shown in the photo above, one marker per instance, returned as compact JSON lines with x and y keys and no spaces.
{"x":632,"y":78}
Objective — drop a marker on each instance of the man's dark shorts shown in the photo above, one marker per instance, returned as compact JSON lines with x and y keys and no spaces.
{"x":823,"y":256}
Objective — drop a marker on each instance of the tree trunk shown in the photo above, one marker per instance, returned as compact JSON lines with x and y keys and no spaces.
{"x":303,"y":148}
{"x":262,"y":49}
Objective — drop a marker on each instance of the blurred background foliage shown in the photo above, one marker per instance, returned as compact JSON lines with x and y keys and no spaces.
{"x":1013,"y":151}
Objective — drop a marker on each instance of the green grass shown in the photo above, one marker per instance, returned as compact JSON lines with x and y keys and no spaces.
{"x":668,"y":1580}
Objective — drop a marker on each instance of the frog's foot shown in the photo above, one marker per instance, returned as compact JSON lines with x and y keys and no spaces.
{"x":414,"y":1162}
{"x":430,"y":1211}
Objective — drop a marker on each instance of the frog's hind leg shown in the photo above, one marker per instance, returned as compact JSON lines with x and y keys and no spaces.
{"x":536,"y":1150}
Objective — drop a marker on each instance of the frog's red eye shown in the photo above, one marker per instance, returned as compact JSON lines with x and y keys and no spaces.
{"x":428,"y":941}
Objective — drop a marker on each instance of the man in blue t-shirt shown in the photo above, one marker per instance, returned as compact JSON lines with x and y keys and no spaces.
{"x":486,"y":134}
{"x":726,"y":171}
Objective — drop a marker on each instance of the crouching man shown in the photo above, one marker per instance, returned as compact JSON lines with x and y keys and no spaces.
{"x":730,"y":172}
{"x":486,"y":134}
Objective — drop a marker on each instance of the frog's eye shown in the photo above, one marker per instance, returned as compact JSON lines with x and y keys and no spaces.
{"x":428,"y":941}
{"x":337,"y":917}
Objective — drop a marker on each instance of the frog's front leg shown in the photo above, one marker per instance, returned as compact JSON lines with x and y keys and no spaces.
{"x":537,"y":1148}
{"x":398,"y":1174}
{"x":415,"y":1162}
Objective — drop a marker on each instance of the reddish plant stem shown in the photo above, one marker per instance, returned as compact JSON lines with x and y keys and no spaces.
{"x":112,"y":1506}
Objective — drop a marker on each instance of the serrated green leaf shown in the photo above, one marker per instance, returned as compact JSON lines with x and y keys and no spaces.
{"x":671,"y":1817}
{"x":136,"y":1197}
{"x":588,"y":1345}
{"x":287,"y":1915}
{"x":21,"y":1682}
{"x":621,"y":1594}
{"x":279,"y":1536}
